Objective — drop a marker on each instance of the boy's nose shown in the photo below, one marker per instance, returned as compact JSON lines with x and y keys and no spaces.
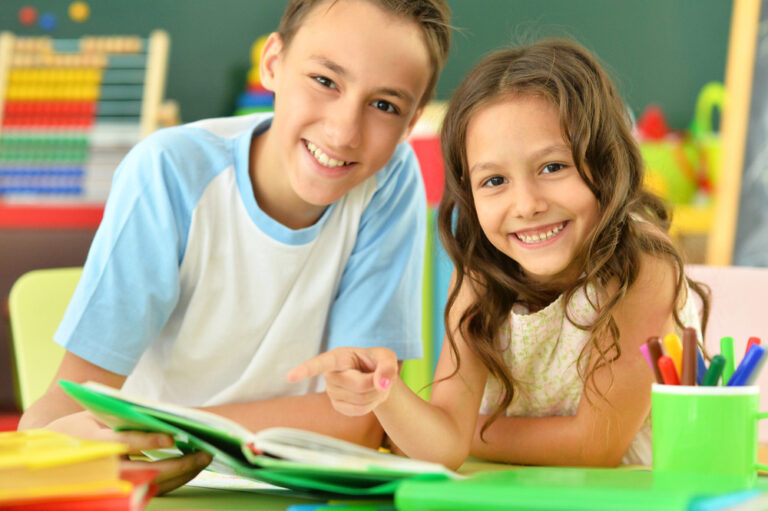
{"x":343,"y":126}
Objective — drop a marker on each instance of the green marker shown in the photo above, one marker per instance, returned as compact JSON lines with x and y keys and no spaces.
{"x":714,"y":371}
{"x":726,"y":350}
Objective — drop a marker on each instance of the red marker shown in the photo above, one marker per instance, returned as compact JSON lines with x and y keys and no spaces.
{"x":668,"y":371}
{"x":750,"y":342}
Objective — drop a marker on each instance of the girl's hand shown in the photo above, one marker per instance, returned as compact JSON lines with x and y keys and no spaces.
{"x":172,"y":472}
{"x":357,"y":379}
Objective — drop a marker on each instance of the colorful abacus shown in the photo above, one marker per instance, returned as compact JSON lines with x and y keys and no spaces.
{"x":255,"y":98}
{"x":70,"y":109}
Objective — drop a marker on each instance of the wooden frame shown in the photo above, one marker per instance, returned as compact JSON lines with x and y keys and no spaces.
{"x":735,"y":122}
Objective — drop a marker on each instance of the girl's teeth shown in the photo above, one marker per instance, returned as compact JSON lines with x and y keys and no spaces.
{"x":536,"y":238}
{"x":323,"y":158}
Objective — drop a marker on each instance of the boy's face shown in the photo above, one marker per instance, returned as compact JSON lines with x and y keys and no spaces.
{"x":347,"y":91}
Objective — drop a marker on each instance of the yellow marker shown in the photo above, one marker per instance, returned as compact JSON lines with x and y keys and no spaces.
{"x":675,"y":350}
{"x":79,"y":11}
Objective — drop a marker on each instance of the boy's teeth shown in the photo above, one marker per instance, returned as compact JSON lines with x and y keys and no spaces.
{"x":536,"y":238}
{"x":323,"y":158}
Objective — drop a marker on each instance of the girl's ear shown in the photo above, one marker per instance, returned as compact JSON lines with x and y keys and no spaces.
{"x":270,"y":54}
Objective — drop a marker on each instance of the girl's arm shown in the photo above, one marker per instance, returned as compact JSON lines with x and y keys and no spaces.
{"x":359,"y":380}
{"x":602,"y":429}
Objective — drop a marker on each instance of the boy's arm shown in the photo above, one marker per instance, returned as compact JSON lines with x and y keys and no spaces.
{"x":313,"y":412}
{"x":603,"y":428}
{"x":57,"y":411}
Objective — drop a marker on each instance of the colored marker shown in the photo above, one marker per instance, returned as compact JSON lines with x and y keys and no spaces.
{"x":646,"y":355}
{"x":758,"y":369}
{"x":714,"y":371}
{"x":726,"y":350}
{"x":701,"y":367}
{"x":668,"y":371}
{"x":748,"y":365}
{"x":750,"y":342}
{"x":675,"y":350}
{"x":654,"y":350}
{"x":690,"y":347}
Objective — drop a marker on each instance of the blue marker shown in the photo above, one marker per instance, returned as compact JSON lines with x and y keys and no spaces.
{"x":749,"y":365}
{"x":701,"y":368}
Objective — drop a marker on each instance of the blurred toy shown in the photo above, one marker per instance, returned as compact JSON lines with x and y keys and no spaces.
{"x":682,"y":167}
{"x":28,"y":16}
{"x":255,"y":98}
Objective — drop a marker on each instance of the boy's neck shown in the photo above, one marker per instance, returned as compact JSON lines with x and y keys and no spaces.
{"x":272,"y":189}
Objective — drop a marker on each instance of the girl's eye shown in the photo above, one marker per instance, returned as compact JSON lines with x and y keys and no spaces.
{"x":552,"y":167}
{"x":325,"y":82}
{"x":385,"y":106}
{"x":494,"y":181}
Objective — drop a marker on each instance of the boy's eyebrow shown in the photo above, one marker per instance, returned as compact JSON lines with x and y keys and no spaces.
{"x":342,"y":71}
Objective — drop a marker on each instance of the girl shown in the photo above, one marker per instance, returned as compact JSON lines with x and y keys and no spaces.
{"x":563,"y":268}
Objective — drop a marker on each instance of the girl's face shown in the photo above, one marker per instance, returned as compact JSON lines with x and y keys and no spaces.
{"x":531,"y":202}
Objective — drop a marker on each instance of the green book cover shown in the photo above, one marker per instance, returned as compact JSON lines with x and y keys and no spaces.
{"x":287,"y":457}
{"x":577,"y":489}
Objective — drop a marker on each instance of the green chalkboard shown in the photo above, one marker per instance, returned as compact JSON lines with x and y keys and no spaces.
{"x":658,"y":51}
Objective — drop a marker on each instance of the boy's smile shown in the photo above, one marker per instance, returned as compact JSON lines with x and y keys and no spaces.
{"x":531,"y":202}
{"x":347,"y":91}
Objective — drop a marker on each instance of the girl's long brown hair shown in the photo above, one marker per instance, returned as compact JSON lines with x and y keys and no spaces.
{"x":596,"y":123}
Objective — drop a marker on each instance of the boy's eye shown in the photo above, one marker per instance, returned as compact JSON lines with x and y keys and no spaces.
{"x":494,"y":181}
{"x":552,"y":167}
{"x":325,"y":82}
{"x":385,"y":106}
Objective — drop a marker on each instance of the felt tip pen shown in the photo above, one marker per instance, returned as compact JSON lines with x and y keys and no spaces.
{"x":690,"y":348}
{"x":748,"y":365}
{"x":668,"y":371}
{"x":750,"y":342}
{"x":655,"y":351}
{"x":714,"y":371}
{"x":701,"y":367}
{"x":674,"y":350}
{"x":726,"y":350}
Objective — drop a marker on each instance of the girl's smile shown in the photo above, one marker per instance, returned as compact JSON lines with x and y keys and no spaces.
{"x":540,"y":236}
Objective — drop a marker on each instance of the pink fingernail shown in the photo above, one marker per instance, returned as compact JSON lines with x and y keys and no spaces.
{"x":384,"y":382}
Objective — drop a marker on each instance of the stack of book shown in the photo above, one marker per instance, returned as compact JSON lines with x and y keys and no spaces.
{"x":46,"y":470}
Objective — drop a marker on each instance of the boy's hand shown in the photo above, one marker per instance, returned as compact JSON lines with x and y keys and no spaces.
{"x":357,"y":379}
{"x":172,"y":472}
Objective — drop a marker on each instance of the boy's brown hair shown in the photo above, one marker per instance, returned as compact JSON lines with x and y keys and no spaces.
{"x":432,"y":16}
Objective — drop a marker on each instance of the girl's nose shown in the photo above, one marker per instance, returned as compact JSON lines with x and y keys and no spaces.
{"x":528,"y":201}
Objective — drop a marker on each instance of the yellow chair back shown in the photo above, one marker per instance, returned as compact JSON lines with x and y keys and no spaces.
{"x":36,"y":304}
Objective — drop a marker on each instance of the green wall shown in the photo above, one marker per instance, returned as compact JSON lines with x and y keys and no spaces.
{"x":658,"y":51}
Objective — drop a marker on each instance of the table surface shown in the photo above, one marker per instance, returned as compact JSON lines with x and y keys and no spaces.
{"x":190,"y":498}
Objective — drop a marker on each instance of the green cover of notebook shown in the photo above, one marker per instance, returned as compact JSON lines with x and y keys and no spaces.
{"x":291,"y":458}
{"x":577,"y":489}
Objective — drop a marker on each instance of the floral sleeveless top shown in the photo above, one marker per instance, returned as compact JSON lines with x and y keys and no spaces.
{"x":542,"y":353}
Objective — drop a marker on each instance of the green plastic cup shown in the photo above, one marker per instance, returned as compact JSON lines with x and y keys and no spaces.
{"x":706,"y":430}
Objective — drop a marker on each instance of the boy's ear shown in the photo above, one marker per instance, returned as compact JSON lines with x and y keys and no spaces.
{"x":270,"y":54}
{"x":412,"y":123}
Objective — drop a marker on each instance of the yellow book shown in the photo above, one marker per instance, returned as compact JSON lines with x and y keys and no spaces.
{"x":41,"y":461}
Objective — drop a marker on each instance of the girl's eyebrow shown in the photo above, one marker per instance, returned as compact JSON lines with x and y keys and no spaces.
{"x":554,"y":148}
{"x":344,"y":73}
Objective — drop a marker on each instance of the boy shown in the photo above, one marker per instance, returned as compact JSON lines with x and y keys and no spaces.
{"x":233,"y":248}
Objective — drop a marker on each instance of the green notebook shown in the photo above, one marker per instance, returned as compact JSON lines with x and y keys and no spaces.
{"x":291,"y":458}
{"x":578,"y":489}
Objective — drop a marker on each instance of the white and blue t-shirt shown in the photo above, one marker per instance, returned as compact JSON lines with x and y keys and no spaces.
{"x":202,"y":299}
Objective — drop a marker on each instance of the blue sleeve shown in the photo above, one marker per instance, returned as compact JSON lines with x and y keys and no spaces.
{"x":130,"y":281}
{"x":379,"y":297}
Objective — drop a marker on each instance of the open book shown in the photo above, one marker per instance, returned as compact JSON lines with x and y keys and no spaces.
{"x":291,"y":458}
